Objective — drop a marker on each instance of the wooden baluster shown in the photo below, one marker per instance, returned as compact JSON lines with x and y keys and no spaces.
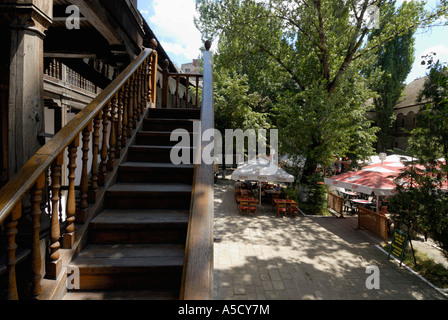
{"x":95,"y":152}
{"x":142,"y":89}
{"x":135,"y":101}
{"x":131,"y":106}
{"x":103,"y":165}
{"x":68,"y":238}
{"x":112,"y":136}
{"x":146,"y":89}
{"x":54,"y":266}
{"x":82,"y":213}
{"x":11,"y":232}
{"x":126,"y":132}
{"x":119,"y":124}
{"x":138,"y":94}
{"x":36,"y":260}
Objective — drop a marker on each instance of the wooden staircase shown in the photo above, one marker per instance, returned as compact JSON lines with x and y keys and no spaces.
{"x":136,"y":245}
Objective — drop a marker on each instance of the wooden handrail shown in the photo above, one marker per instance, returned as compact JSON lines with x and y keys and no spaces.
{"x":197,"y":278}
{"x":116,"y":109}
{"x":12,"y":192}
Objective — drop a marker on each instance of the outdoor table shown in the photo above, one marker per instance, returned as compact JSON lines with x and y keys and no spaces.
{"x":239,"y":199}
{"x":287,"y":201}
{"x":361,"y":202}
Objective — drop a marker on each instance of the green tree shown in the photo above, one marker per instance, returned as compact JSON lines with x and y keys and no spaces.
{"x":235,"y":106}
{"x":395,"y":60}
{"x":306,"y":56}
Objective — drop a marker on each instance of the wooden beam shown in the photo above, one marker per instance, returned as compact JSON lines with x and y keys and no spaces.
{"x":69,"y":55}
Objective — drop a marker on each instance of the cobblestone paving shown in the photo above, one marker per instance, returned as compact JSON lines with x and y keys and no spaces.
{"x":267,"y":257}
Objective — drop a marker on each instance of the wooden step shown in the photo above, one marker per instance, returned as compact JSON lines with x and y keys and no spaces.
{"x":175,"y":113}
{"x":130,"y":266}
{"x":148,"y":196}
{"x":162,"y":124}
{"x":162,"y":138}
{"x":148,"y":153}
{"x":139,"y":226}
{"x":151,"y":172}
{"x":122,"y":295}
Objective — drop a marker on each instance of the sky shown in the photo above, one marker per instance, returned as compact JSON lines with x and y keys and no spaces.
{"x":172,"y":23}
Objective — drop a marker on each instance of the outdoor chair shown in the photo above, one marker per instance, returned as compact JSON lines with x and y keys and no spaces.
{"x":244,"y":207}
{"x":281,"y":209}
{"x":253,"y":206}
{"x":294,"y":209}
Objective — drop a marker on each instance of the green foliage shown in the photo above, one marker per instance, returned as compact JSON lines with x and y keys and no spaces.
{"x":395,"y":59}
{"x":234,"y":105}
{"x":304,"y":58}
{"x":316,"y":203}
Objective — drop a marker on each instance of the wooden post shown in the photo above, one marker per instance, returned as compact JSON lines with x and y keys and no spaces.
{"x":27,"y":22}
{"x":11,"y":232}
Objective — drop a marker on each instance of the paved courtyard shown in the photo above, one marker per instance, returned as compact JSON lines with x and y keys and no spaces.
{"x":267,"y":257}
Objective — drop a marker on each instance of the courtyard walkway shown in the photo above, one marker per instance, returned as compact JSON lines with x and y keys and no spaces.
{"x":267,"y":257}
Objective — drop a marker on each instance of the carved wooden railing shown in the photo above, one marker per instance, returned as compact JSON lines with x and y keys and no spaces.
{"x":197,"y":279}
{"x":109,"y":121}
{"x":187,"y":83}
{"x":59,"y":71}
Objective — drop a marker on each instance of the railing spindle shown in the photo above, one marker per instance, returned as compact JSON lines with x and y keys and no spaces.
{"x":119,"y":124}
{"x":11,"y":232}
{"x":69,"y":236}
{"x":131,"y":106}
{"x":103,"y":166}
{"x":134,"y":90}
{"x":95,"y":151}
{"x":54,"y":266}
{"x":36,"y":261}
{"x":82,"y":213}
{"x":112,"y":136}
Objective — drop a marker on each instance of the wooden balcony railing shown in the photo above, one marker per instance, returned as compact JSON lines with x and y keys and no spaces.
{"x":185,"y":93}
{"x":108,"y":121}
{"x":59,"y":71}
{"x":197,"y":278}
